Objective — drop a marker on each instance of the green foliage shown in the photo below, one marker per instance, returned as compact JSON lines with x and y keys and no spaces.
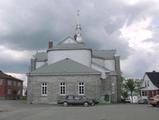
{"x":130,"y":86}
{"x":106,"y":97}
{"x":23,"y":98}
{"x":124,"y":94}
{"x":124,"y":90}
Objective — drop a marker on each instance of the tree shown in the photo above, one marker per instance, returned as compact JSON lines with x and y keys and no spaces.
{"x":130,"y":85}
{"x":124,"y":91}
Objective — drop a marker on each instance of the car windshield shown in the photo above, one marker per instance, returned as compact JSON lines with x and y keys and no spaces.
{"x":77,"y":97}
{"x":69,"y":97}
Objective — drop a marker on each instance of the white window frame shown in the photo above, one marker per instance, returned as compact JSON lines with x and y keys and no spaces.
{"x":44,"y":89}
{"x":62,"y":89}
{"x":81,"y":88}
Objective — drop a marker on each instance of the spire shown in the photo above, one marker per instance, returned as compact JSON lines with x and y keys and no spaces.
{"x":77,"y":35}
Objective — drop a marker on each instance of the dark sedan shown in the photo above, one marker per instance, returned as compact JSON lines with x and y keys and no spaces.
{"x":76,"y":100}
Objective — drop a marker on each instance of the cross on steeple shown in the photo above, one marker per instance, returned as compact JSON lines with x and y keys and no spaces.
{"x":77,"y":35}
{"x":78,"y":15}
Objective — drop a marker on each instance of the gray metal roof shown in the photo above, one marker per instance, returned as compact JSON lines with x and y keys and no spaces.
{"x":154,"y":77}
{"x":41,"y":56}
{"x":106,"y":69}
{"x":104,"y":54}
{"x":66,"y":66}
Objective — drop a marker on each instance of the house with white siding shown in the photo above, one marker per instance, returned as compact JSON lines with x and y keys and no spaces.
{"x":150,"y":84}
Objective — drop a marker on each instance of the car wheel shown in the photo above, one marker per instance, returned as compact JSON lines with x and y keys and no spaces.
{"x":85,"y":104}
{"x":65,"y":104}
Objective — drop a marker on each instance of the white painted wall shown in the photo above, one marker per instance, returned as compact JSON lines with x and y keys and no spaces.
{"x":81,"y":56}
{"x":110,"y":64}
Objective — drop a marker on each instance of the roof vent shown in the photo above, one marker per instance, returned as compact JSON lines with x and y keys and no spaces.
{"x":153,"y":71}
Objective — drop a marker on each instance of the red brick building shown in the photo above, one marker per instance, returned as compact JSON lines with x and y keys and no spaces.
{"x":10,"y":87}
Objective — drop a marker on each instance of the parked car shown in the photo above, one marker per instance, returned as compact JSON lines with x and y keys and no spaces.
{"x":142,"y":101}
{"x":154,"y":101}
{"x":125,"y":100}
{"x":76,"y":100}
{"x":95,"y":100}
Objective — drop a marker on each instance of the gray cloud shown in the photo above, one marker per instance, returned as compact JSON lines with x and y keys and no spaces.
{"x":29,"y":25}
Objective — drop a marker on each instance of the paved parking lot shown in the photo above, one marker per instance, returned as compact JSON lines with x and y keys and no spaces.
{"x":19,"y":110}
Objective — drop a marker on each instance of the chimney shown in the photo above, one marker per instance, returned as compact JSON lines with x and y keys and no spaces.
{"x":50,"y":44}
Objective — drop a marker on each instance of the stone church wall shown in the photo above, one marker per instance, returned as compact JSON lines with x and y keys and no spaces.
{"x":92,"y":87}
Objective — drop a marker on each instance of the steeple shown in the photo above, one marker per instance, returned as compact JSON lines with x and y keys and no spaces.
{"x":78,"y":29}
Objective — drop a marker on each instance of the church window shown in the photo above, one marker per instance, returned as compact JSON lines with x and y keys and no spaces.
{"x":81,"y":88}
{"x":44,"y":89}
{"x":62,"y":88}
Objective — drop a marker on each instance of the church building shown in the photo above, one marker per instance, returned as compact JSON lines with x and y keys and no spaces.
{"x":70,"y":68}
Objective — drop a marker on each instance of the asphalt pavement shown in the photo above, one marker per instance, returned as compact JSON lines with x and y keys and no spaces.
{"x":20,"y":110}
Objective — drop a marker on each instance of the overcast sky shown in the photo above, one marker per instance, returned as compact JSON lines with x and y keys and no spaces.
{"x":129,"y":26}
